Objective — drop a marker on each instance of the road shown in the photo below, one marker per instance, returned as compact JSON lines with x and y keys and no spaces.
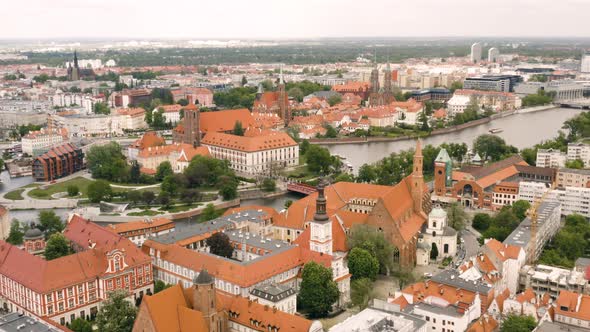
{"x":471,"y":245}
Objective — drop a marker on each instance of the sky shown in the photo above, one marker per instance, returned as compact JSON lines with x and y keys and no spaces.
{"x":285,"y":19}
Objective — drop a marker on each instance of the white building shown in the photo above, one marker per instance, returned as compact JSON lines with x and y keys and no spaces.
{"x":579,"y":151}
{"x":98,"y":125}
{"x":4,"y":222}
{"x":440,"y":234}
{"x":572,"y":199}
{"x":38,"y":142}
{"x":585,"y":64}
{"x":552,"y":279}
{"x":550,"y":158}
{"x":276,"y":296}
{"x":476,"y":51}
{"x":256,"y":155}
{"x":458,"y":104}
{"x":87,"y":102}
{"x":171,"y":113}
{"x":493,"y":54}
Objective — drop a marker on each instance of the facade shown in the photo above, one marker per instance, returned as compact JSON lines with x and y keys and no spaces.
{"x":139,"y":231}
{"x":504,"y":194}
{"x":197,"y":96}
{"x":497,"y":101}
{"x":493,"y":54}
{"x":276,"y":102}
{"x":585,"y":64}
{"x":579,"y":151}
{"x":4,"y":223}
{"x":564,"y":89}
{"x":149,"y":139}
{"x":501,"y":84}
{"x":219,"y":121}
{"x":179,"y":155}
{"x":263,"y":154}
{"x":458,"y":104}
{"x":437,"y":232}
{"x":58,"y":162}
{"x":171,"y":113}
{"x":570,"y":177}
{"x":86,"y":101}
{"x":572,"y":199}
{"x":75,"y":73}
{"x":98,"y":125}
{"x":476,"y":52}
{"x":550,"y":158}
{"x":129,"y":98}
{"x":276,"y":296}
{"x":548,"y":222}
{"x":38,"y":142}
{"x":200,"y":307}
{"x":436,"y":94}
{"x":73,"y":286}
{"x":573,"y":309}
{"x":552,"y":280}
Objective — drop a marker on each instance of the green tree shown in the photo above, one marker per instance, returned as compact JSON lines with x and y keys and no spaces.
{"x":135,"y":172}
{"x":98,"y":191}
{"x":209,"y":213}
{"x":269,"y":184}
{"x":296,"y":93}
{"x":318,"y":292}
{"x":318,"y":159}
{"x":220,"y":245}
{"x":362,"y":264}
{"x":159,"y":286}
{"x":101,"y":108}
{"x":517,"y":323}
{"x":81,"y":325}
{"x":372,"y":240}
{"x":481,"y":221}
{"x":148,"y":197}
{"x":334,"y":99}
{"x":15,"y":236}
{"x":304,"y":146}
{"x":244,"y":80}
{"x":575,"y":164}
{"x":42,"y":78}
{"x":287,"y":204}
{"x":520,"y":208}
{"x":116,"y":313}
{"x":164,"y":199}
{"x":434,"y":251}
{"x":457,"y":85}
{"x":164,"y":170}
{"x":238,"y":129}
{"x":73,"y":190}
{"x":492,"y":147}
{"x":331,"y":132}
{"x":133,"y":196}
{"x":361,"y":292}
{"x":183,"y":102}
{"x":57,"y":246}
{"x":529,"y":155}
{"x":107,"y":162}
{"x":50,"y":223}
{"x":149,"y":117}
{"x":456,"y":216}
{"x":344,"y":177}
{"x":158,"y":120}
{"x":228,"y":187}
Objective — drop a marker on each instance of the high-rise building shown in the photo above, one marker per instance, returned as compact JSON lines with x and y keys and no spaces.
{"x":493,"y":54}
{"x":585,"y":67}
{"x":476,"y":52}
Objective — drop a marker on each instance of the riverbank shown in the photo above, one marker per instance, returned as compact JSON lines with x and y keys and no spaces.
{"x":441,"y":131}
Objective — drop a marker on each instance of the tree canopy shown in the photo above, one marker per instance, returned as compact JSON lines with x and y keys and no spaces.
{"x":318,"y":292}
{"x":98,"y":191}
{"x":220,"y":245}
{"x":50,"y":223}
{"x":116,"y":313}
{"x":370,"y":239}
{"x":493,"y":147}
{"x":517,"y":323}
{"x":57,"y":246}
{"x":362,"y":264}
{"x":107,"y":162}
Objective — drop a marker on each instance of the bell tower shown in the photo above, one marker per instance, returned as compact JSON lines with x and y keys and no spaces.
{"x":417,"y":178}
{"x":204,"y":300}
{"x":321,"y":226}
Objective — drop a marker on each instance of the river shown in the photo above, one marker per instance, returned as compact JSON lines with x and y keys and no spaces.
{"x":521,"y":130}
{"x":8,"y":184}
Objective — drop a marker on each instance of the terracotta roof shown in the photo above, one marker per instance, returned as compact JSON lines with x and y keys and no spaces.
{"x":481,"y":172}
{"x":338,"y":237}
{"x":503,"y":251}
{"x":139,"y":225}
{"x":131,"y":111}
{"x":573,"y":305}
{"x":149,"y":139}
{"x":501,"y":298}
{"x":422,"y":290}
{"x":272,"y":213}
{"x":440,"y":113}
{"x":3,"y":211}
{"x":527,"y":296}
{"x":485,"y":323}
{"x":225,"y":120}
{"x":273,"y":140}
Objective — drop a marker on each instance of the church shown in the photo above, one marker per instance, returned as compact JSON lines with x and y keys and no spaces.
{"x":437,"y":240}
{"x":75,"y":73}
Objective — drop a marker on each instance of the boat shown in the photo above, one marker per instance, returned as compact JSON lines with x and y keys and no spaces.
{"x":496,"y":130}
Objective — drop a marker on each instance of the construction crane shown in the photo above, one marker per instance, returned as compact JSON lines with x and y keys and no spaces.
{"x":533,"y":215}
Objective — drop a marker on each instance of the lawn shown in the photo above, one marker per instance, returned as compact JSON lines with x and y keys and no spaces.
{"x":181,"y":208}
{"x":144,"y":213}
{"x":80,"y":182}
{"x":15,"y":195}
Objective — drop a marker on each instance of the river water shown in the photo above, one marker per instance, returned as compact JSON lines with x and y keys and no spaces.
{"x":521,"y":130}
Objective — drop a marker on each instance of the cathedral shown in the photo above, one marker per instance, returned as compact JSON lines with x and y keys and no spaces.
{"x":75,"y":73}
{"x":276,"y":102}
{"x":381,"y":96}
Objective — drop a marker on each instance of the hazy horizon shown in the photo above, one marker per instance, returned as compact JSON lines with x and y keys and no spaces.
{"x":292,"y":20}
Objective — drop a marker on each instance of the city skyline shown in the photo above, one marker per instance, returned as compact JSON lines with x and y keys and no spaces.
{"x":265,"y":19}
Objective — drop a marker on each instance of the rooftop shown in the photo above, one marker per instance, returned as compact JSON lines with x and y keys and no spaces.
{"x":15,"y":322}
{"x":522,"y":234}
{"x":451,"y":278}
{"x":273,"y":293}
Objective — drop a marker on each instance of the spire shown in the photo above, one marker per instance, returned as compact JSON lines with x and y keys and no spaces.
{"x":320,"y":204}
{"x":417,"y":178}
{"x":75,"y":59}
{"x":281,"y":81}
{"x":260,"y":88}
{"x":418,"y":148}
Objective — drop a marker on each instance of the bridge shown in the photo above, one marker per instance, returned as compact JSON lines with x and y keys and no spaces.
{"x":301,"y":188}
{"x":583,"y":103}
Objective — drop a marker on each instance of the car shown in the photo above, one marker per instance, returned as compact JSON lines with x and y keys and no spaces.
{"x":427,"y":275}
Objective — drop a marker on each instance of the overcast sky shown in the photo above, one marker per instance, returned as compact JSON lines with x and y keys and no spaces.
{"x":292,"y":18}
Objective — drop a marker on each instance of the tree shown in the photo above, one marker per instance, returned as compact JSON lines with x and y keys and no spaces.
{"x":81,"y":325}
{"x":456,"y":216}
{"x":457,"y":85}
{"x":107,"y":162}
{"x":238,"y":129}
{"x":50,"y":223}
{"x":481,"y":221}
{"x":159,"y":286}
{"x":135,"y":172}
{"x":362,"y":264}
{"x":73,"y":190}
{"x":148,"y":197}
{"x":133,"y":196}
{"x":331,"y":132}
{"x":529,"y":155}
{"x":370,"y":239}
{"x":423,"y":118}
{"x":434,"y":251}
{"x":98,"y":191}
{"x":101,"y":108}
{"x":149,"y":117}
{"x":575,"y":164}
{"x":318,"y":159}
{"x":163,"y":170}
{"x":520,"y":208}
{"x":516,"y":323}
{"x":228,"y":187}
{"x":116,"y":314}
{"x":220,"y":245}
{"x":158,"y":119}
{"x":183,"y":102}
{"x":57,"y":246}
{"x":288,"y":203}
{"x":296,"y":93}
{"x":164,"y":199}
{"x":209,"y":213}
{"x":15,"y":236}
{"x":269,"y":184}
{"x":492,"y":147}
{"x":334,"y":99}
{"x":318,"y":292}
{"x":244,"y":80}
{"x":361,"y":292}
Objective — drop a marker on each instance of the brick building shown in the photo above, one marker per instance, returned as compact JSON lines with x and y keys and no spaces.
{"x":58,"y":162}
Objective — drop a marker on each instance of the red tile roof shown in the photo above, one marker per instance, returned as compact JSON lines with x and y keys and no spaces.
{"x":270,"y":141}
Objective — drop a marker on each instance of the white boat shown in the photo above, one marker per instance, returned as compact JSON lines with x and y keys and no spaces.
{"x":496,"y":130}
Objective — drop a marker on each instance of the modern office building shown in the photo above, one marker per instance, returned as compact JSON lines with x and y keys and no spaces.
{"x":476,"y":50}
{"x":585,"y":65}
{"x":500,"y":83}
{"x":493,"y":54}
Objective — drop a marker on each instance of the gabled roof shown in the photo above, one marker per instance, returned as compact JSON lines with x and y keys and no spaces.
{"x":225,"y":120}
{"x":270,"y":141}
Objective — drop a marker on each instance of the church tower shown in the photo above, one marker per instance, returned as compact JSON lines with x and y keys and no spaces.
{"x":283,"y":101}
{"x":205,"y":301}
{"x":417,"y":178}
{"x":192,"y":132}
{"x":321,"y":226}
{"x":388,"y":97}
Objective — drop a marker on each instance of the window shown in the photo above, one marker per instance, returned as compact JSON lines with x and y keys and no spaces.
{"x":71,"y":303}
{"x":49,"y":298}
{"x":60,"y":307}
{"x":50,"y":309}
{"x":71,"y":291}
{"x":81,"y":299}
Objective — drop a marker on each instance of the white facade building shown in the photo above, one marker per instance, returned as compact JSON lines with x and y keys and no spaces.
{"x":550,"y":158}
{"x":585,"y":65}
{"x":440,"y":234}
{"x":98,"y":125}
{"x":579,"y":151}
{"x":38,"y":142}
{"x":493,"y":54}
{"x":458,"y":104}
{"x":572,"y":199}
{"x":476,"y":51}
{"x":85,"y":101}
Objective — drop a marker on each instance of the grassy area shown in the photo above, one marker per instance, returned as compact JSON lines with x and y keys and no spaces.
{"x":80,"y":182}
{"x":15,"y":195}
{"x":181,"y":208}
{"x":144,"y":213}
